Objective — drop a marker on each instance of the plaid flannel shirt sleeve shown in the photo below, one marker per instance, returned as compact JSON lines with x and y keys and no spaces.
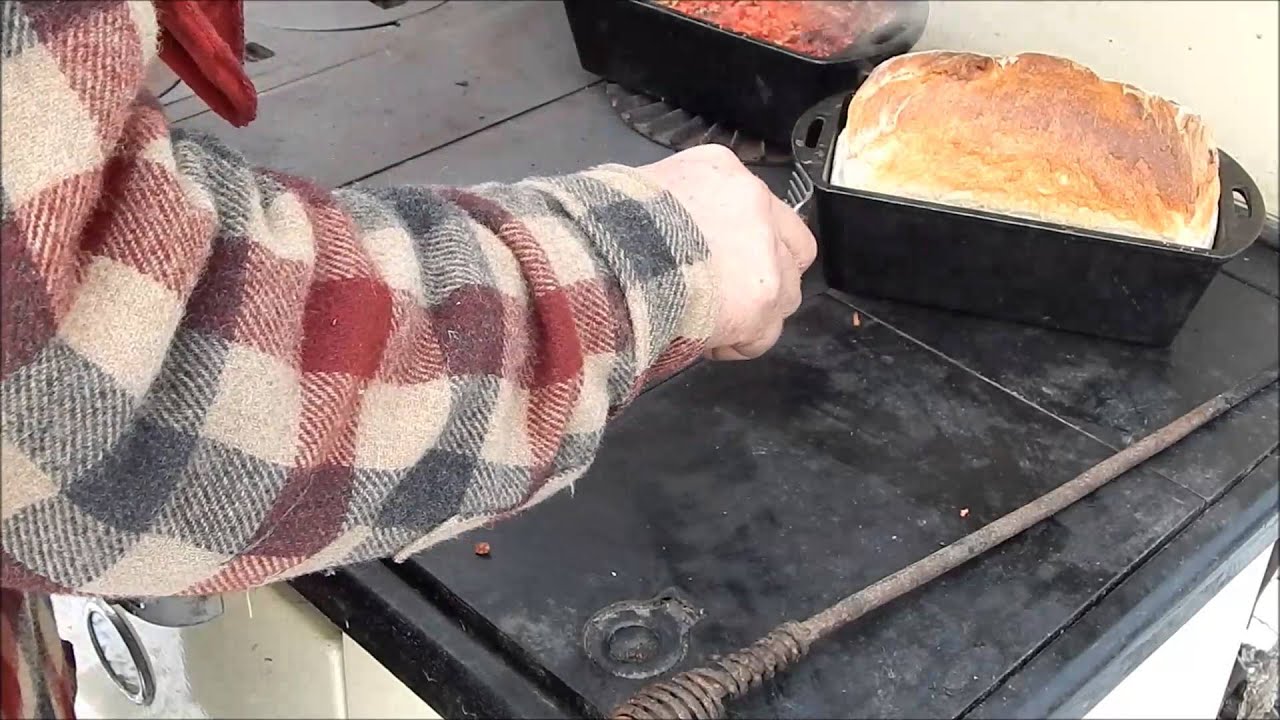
{"x":216,"y":377}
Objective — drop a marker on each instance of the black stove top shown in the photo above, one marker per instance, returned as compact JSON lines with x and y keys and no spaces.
{"x":760,"y":492}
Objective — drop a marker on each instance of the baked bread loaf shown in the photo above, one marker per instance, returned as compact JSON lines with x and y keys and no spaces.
{"x":1034,"y":136}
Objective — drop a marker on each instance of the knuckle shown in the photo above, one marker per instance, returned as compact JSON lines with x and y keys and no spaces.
{"x":810,"y":253}
{"x":718,"y":151}
{"x":711,"y":154}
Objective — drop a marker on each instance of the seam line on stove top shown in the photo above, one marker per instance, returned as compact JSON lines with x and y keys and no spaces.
{"x":1109,"y":588}
{"x":846,"y":300}
{"x":204,"y":109}
{"x":477,"y":131}
{"x":1231,"y":274}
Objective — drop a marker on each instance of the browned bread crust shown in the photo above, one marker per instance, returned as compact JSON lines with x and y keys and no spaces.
{"x":1035,"y":136}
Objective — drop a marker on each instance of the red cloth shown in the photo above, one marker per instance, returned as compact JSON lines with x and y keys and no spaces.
{"x":203,"y":41}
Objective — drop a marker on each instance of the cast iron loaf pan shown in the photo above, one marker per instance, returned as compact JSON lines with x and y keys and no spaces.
{"x":732,"y":79}
{"x":1013,"y":268}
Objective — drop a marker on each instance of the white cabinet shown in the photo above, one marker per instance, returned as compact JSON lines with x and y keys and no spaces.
{"x":270,"y":654}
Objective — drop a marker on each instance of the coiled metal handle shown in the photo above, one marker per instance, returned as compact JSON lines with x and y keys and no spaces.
{"x":702,"y":692}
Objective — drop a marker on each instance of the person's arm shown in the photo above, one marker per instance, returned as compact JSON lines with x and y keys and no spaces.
{"x":215,"y":377}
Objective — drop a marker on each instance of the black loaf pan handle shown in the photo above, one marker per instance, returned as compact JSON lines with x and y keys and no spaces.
{"x":1241,"y":225}
{"x":814,"y":135}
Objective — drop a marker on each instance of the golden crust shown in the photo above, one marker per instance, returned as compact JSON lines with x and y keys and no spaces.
{"x":1035,"y":136}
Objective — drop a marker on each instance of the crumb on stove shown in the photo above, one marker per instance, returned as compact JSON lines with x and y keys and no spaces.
{"x":964,"y":512}
{"x":482,"y":549}
{"x":857,"y":319}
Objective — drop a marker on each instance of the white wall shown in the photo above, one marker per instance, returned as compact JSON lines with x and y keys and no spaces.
{"x":1220,"y":59}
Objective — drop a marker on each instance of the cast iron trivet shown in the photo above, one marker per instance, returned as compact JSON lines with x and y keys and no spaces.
{"x":679,"y":130}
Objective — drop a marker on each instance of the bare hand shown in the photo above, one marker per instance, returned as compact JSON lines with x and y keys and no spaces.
{"x":759,"y":246}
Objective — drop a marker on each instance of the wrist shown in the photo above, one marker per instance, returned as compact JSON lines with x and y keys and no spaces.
{"x":680,"y":298}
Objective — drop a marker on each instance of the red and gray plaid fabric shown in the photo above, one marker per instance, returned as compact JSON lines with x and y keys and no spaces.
{"x":215,"y":377}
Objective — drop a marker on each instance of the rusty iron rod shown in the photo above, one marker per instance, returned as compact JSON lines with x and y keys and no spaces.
{"x":703,"y":692}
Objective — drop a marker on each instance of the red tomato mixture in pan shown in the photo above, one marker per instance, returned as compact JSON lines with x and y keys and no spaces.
{"x":818,"y":29}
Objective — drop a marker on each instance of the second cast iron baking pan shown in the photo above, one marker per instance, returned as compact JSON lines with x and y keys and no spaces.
{"x":729,"y":78}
